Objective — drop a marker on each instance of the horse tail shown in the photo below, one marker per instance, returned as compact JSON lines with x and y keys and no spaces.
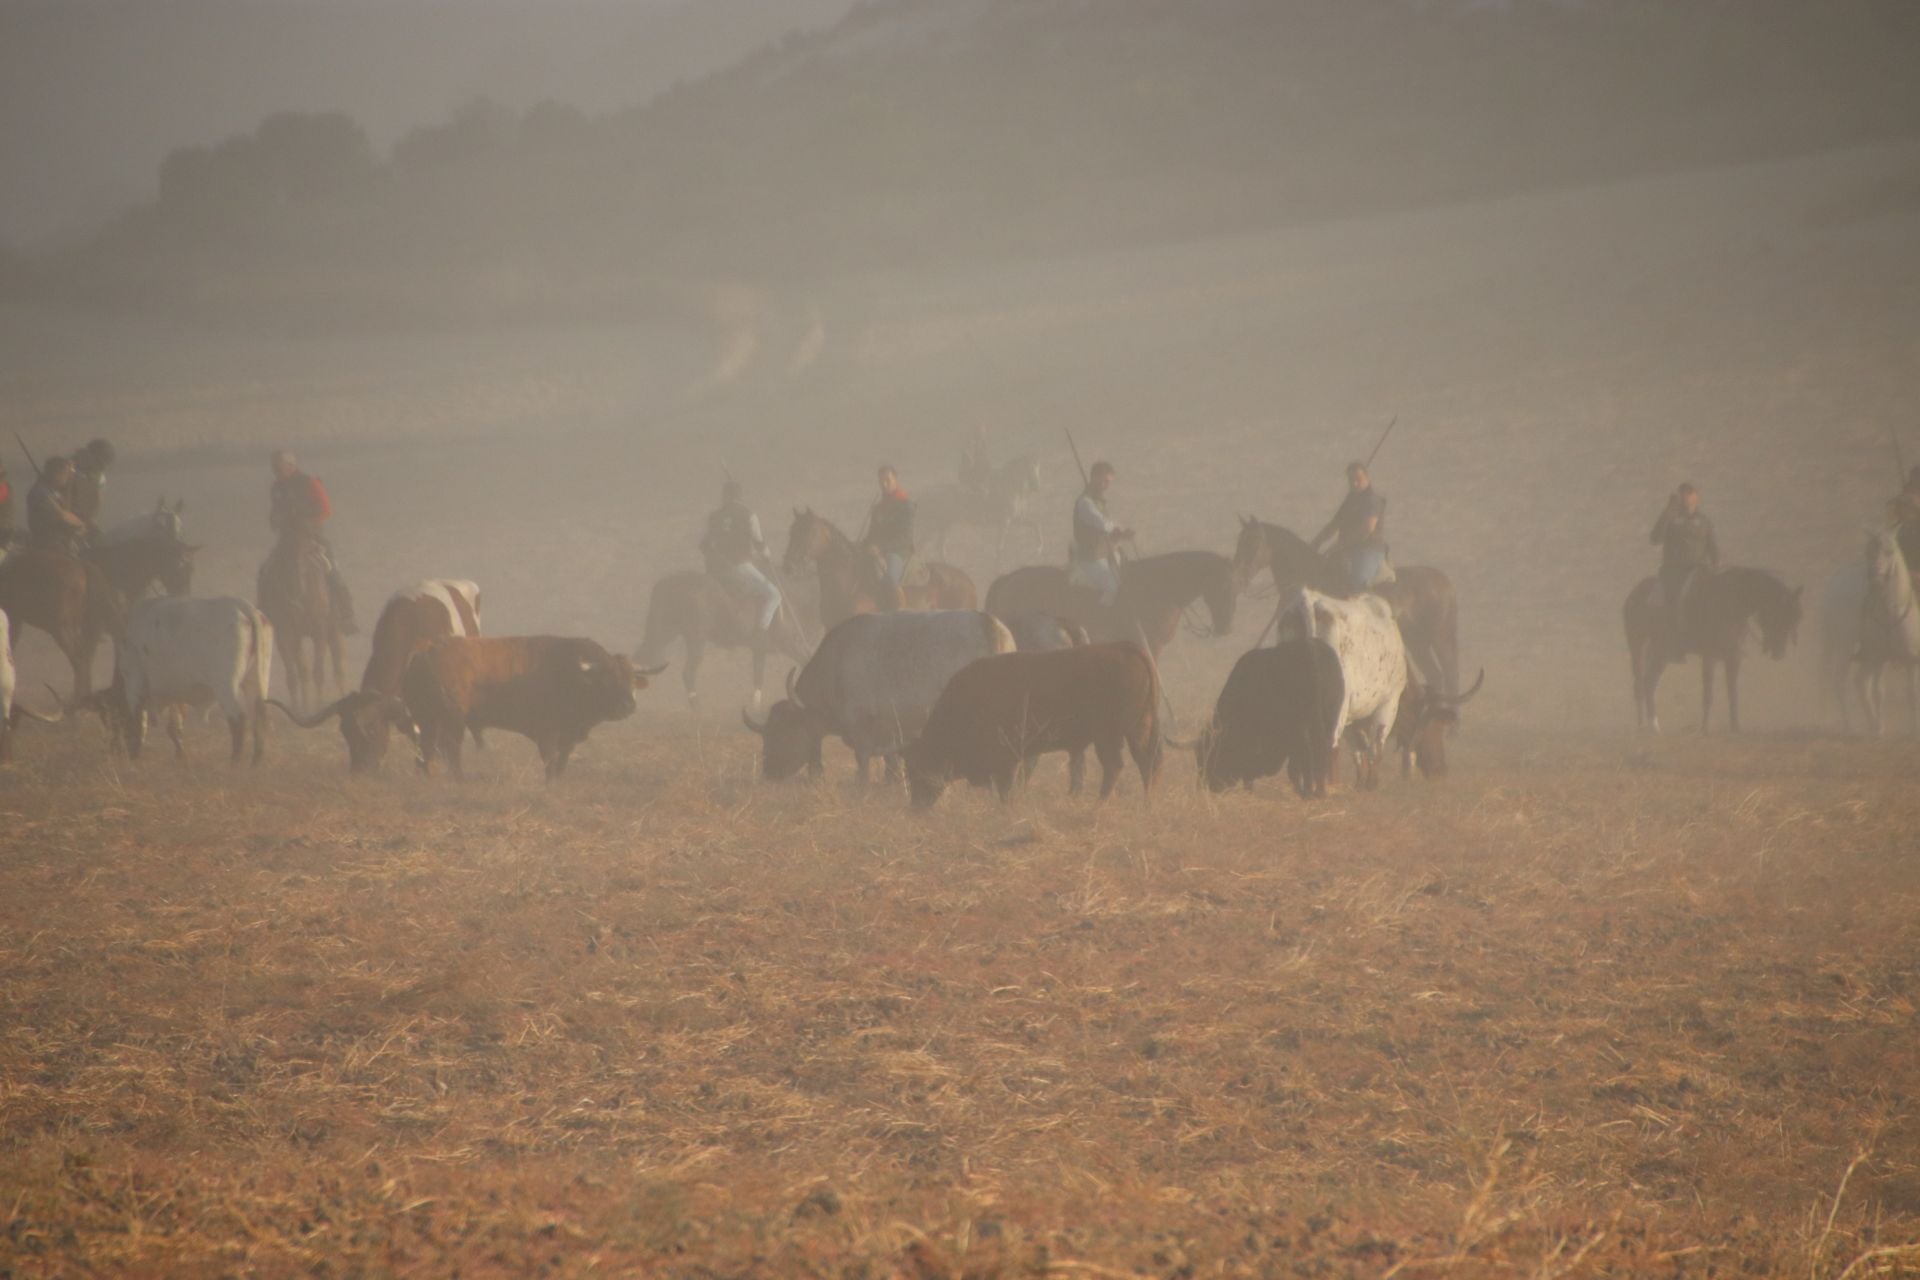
{"x":661,"y":627}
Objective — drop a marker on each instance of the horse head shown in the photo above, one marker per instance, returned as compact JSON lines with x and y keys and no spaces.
{"x":1779,"y":618}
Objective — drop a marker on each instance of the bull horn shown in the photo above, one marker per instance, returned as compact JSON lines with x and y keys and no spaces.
{"x":648,"y":672}
{"x":746,"y":719}
{"x":318,"y":718}
{"x":21,"y":711}
{"x":1181,"y":744}
{"x":1458,"y":698}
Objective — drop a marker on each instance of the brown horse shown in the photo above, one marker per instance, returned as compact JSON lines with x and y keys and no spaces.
{"x":697,"y":610}
{"x":1422,"y":597}
{"x":853,"y":578}
{"x":71,"y":600}
{"x":295,"y":595}
{"x":1717,"y":612}
{"x":1155,"y":592}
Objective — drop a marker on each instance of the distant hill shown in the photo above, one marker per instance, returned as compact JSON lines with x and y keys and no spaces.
{"x":934,"y":131}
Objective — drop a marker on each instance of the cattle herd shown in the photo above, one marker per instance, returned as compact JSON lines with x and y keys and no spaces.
{"x":937,"y":696}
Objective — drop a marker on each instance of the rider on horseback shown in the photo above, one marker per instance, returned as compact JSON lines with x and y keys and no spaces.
{"x":1904,"y":513}
{"x":1358,"y":532}
{"x":890,"y":526}
{"x":1096,"y":537}
{"x":90,"y":463}
{"x":976,"y":469}
{"x":735,"y":551}
{"x":52,"y":523}
{"x":297,"y":509}
{"x":1687,"y":547}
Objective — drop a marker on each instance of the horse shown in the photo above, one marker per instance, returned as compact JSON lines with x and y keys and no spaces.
{"x":853,"y":578}
{"x":1004,"y":505}
{"x":1889,"y":630}
{"x":147,"y":549}
{"x":1155,"y":592}
{"x":696,"y":609}
{"x":71,"y":600}
{"x":1719,"y":608}
{"x":294,"y":594}
{"x":1422,"y":597}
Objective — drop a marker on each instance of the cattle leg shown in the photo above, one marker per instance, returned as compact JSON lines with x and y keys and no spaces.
{"x":1111,"y":758}
{"x":455,"y":732}
{"x":1003,"y":778}
{"x":1706,"y":693}
{"x":237,"y":726}
{"x":690,"y":674}
{"x":1077,"y":771}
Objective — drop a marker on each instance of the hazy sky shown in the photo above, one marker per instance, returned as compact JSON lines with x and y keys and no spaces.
{"x":95,"y":93}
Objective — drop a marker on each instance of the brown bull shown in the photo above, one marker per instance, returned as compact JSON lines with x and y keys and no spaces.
{"x":552,"y":689}
{"x":1420,"y":730}
{"x":998,"y":715}
{"x":413,"y":618}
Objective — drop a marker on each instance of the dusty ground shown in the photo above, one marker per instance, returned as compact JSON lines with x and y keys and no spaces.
{"x":1595,"y":1004}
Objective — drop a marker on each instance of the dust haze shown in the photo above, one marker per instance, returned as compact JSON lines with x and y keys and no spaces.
{"x":523,"y":282}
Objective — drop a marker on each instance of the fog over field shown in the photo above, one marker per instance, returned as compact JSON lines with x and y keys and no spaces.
{"x":523,"y":282}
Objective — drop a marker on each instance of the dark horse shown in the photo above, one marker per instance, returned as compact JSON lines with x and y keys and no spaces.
{"x":1717,"y":612}
{"x":146,"y":550}
{"x":1155,"y":592}
{"x":71,"y":600}
{"x":853,"y":578}
{"x":696,"y":609}
{"x":1421,"y":597}
{"x":295,"y":596}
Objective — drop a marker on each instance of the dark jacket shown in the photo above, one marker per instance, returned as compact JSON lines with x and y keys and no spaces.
{"x":1349,"y":524}
{"x":733,"y":537}
{"x":890,"y":526}
{"x":1686,"y":542}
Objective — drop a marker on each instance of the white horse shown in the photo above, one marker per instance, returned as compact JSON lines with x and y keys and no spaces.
{"x":1889,"y":630}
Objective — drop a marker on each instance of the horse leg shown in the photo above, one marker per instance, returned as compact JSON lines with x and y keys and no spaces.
{"x":1706,"y":692}
{"x":690,"y":675}
{"x":237,"y":727}
{"x":1733,"y":692}
{"x":336,"y":645}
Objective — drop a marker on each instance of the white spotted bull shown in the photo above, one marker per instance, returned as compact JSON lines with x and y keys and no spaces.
{"x":1373,"y":665}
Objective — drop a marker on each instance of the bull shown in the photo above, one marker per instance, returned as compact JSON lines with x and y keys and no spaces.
{"x":1040,"y":632}
{"x":1277,"y":711}
{"x":998,"y":715}
{"x":872,"y":682}
{"x":413,"y":618}
{"x":1373,"y":668}
{"x":181,"y":652}
{"x":552,"y":689}
{"x":1420,"y":730}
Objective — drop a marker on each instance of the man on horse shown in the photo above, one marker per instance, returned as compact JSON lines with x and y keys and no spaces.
{"x":52,"y":523}
{"x":1903,"y":511}
{"x":90,"y":463}
{"x":1358,"y":532}
{"x":1096,"y":537}
{"x":735,"y":550}
{"x":1684,"y":535}
{"x":298,"y":508}
{"x":6,"y":512}
{"x":976,"y":469}
{"x":890,"y":526}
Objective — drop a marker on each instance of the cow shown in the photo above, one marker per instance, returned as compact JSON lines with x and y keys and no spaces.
{"x":178,"y":652}
{"x":872,"y":683}
{"x":1373,"y":667}
{"x":10,"y":713}
{"x":552,"y":689}
{"x":1040,"y":632}
{"x":1420,"y":730}
{"x":999,"y":714}
{"x":1277,"y":711}
{"x":413,"y":618}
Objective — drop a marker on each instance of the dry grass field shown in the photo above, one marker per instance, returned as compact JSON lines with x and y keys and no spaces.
{"x":1593,"y":1006}
{"x":1596,"y":1005}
